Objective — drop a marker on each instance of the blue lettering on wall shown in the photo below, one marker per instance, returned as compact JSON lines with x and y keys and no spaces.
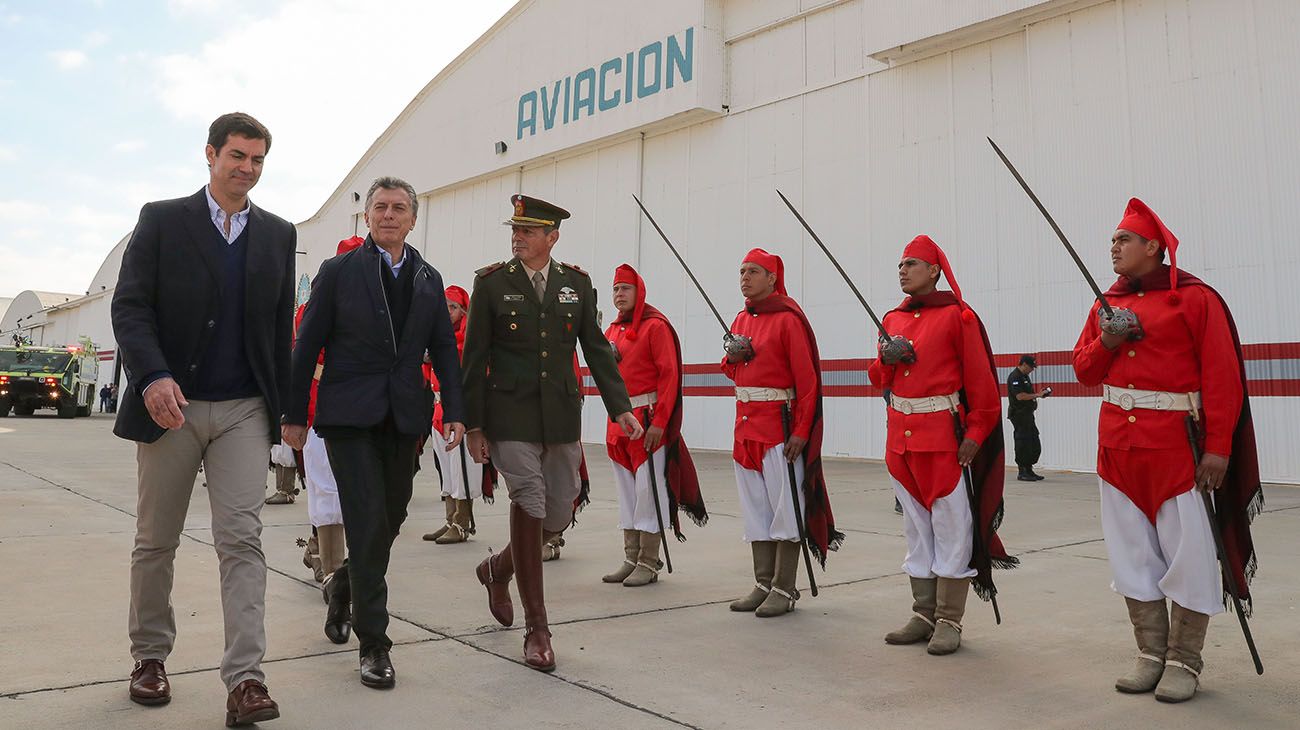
{"x":644,"y":87}
{"x":649,"y":70}
{"x":587,"y":101}
{"x":606,"y":102}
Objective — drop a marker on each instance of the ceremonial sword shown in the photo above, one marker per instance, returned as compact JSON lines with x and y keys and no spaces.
{"x":1105,"y":305}
{"x":1229,"y":580}
{"x":879,"y":325}
{"x":731,"y":342}
{"x":654,"y":492}
{"x":794,"y":494}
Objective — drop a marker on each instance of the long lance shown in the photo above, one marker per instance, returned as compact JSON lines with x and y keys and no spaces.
{"x":879,"y":325}
{"x":680,"y":260}
{"x":1229,"y":579}
{"x":1105,"y":305}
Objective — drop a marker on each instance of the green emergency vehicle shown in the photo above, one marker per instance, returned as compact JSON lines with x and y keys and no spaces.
{"x":60,"y":378}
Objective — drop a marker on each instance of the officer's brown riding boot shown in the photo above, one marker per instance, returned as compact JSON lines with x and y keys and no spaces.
{"x":459,"y":526}
{"x":631,"y":548}
{"x":648,"y":563}
{"x":1183,"y":662}
{"x":1151,"y":629}
{"x":526,"y":542}
{"x":495,"y":573}
{"x":920,"y":627}
{"x":780,"y":600}
{"x":764,"y":567}
{"x":450,"y":505}
{"x":950,"y":607}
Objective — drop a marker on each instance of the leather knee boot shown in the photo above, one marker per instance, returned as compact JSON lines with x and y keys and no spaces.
{"x":526,"y":544}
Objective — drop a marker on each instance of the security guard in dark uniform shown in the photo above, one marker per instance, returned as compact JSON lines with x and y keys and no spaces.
{"x":1022,"y":402}
{"x":524,"y":402}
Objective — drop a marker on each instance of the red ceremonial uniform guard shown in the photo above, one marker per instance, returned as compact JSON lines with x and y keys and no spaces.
{"x":455,"y":468}
{"x":650,"y":360}
{"x":777,"y":373}
{"x":1169,"y":362}
{"x":944,"y":413}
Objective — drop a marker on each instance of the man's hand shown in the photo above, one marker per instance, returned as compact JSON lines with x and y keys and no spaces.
{"x":294,"y":435}
{"x":631,"y":426}
{"x":452,"y":433}
{"x":895,"y":349}
{"x":1210,"y":472}
{"x":653,"y":437}
{"x":164,"y":401}
{"x":739,"y":348}
{"x":1117,"y":329}
{"x":793,"y":447}
{"x":476,"y":444}
{"x":966,"y":452}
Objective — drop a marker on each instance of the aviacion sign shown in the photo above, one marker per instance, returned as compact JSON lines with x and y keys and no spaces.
{"x":618,"y":81}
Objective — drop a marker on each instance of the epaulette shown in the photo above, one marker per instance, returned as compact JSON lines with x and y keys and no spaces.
{"x":489,"y":268}
{"x":575,"y":268}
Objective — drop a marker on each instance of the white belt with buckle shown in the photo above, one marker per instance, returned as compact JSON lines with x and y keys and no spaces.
{"x":928,"y":404}
{"x":747,"y":395}
{"x":645,"y":399}
{"x":437,"y":397}
{"x":1151,"y":400}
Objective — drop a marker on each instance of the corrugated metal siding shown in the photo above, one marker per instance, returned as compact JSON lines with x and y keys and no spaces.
{"x":1189,"y":105}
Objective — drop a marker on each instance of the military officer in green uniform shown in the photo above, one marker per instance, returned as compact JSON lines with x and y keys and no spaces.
{"x":524,"y":402}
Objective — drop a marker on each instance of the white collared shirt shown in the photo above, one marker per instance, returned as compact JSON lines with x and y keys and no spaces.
{"x":237,"y":221}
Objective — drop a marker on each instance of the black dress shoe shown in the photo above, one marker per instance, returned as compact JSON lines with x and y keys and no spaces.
{"x":338,"y":615}
{"x":377,"y":669}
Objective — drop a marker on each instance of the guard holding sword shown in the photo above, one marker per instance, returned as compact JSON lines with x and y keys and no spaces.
{"x":654,"y":476}
{"x":1167,"y":355}
{"x":944,"y":446}
{"x":772,"y":358}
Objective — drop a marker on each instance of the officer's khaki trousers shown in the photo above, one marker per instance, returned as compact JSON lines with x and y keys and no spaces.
{"x":541,"y":478}
{"x":230,"y":439}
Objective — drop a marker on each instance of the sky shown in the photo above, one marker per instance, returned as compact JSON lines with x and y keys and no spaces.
{"x":105,"y":105}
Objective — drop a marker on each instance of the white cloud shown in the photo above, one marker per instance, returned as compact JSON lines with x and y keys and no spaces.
{"x":95,"y":39}
{"x":129,"y":145}
{"x":326,"y":76}
{"x":65,"y":261}
{"x":69,"y":59}
{"x":8,"y":153}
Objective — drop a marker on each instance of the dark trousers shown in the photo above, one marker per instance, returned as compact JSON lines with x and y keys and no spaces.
{"x":103,"y":404}
{"x":1025,"y":435}
{"x":373,"y":468}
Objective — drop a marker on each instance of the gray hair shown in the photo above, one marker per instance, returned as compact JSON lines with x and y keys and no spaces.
{"x":393,"y":183}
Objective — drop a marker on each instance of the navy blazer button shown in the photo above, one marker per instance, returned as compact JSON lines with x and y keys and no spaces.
{"x":212,"y":323}
{"x":193,"y":368}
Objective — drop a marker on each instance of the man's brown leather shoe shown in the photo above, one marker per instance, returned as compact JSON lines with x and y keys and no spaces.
{"x":250,"y":703}
{"x":149,"y":685}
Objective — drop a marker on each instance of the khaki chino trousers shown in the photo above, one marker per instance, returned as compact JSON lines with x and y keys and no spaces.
{"x":230,"y":440}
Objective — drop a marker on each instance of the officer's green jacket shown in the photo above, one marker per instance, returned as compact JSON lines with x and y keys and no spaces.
{"x":518,"y":363}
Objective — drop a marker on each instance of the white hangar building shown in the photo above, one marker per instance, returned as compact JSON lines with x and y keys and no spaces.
{"x":871,"y":115}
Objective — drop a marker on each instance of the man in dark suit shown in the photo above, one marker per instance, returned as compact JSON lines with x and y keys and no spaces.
{"x":203,"y":316}
{"x":376,"y":311}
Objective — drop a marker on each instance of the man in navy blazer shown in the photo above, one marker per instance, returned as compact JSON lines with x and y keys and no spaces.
{"x":203,"y":317}
{"x":376,"y":311}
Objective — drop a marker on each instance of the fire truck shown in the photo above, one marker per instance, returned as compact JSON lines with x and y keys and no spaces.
{"x":60,"y":378}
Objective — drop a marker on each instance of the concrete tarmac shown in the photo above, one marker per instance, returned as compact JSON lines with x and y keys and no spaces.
{"x":664,"y":656}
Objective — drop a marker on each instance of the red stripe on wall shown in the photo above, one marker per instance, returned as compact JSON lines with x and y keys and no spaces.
{"x":1257,"y":351}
